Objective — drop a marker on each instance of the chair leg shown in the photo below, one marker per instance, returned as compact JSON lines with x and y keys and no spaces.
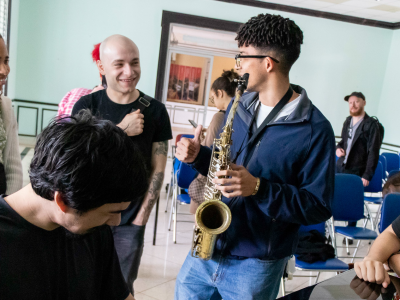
{"x":347,"y":246}
{"x":333,"y":234}
{"x":168,"y":194}
{"x":175,"y":220}
{"x":370,"y":217}
{"x":316,"y":279}
{"x":172,"y":212}
{"x":378,"y":213}
{"x":355,"y":251}
{"x":283,"y":287}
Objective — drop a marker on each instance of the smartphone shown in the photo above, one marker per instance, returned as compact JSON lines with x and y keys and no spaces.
{"x":104,"y":81}
{"x":193,"y":123}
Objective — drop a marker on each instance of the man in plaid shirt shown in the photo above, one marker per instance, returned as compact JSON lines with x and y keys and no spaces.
{"x":69,"y":100}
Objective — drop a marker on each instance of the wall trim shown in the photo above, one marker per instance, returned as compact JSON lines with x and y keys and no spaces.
{"x":315,"y":13}
{"x":36,"y":121}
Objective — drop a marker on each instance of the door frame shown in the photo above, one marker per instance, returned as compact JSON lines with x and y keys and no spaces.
{"x":168,"y":18}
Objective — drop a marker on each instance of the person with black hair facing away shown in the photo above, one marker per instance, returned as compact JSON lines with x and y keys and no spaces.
{"x":358,"y":150}
{"x":146,"y":122}
{"x":282,"y":171}
{"x":222,"y":91}
{"x":55,"y":242}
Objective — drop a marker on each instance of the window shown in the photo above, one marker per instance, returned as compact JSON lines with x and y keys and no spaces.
{"x":196,"y":57}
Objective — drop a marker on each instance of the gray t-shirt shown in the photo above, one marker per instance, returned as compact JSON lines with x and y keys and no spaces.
{"x":352,"y":133}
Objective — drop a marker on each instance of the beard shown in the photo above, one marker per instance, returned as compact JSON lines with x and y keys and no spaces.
{"x":356,"y":113}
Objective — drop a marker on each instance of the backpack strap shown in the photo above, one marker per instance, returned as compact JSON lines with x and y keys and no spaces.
{"x":144,"y":102}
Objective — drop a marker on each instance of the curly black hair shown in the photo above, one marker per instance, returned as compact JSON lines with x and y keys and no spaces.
{"x":226,"y":82}
{"x":275,"y":35}
{"x":91,"y":162}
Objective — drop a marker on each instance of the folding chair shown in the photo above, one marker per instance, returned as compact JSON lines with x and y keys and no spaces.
{"x":382,"y":159}
{"x":331,"y":265}
{"x":348,"y":206}
{"x":175,"y":166}
{"x":375,"y":186}
{"x":183,"y":178}
{"x":390,"y":211}
{"x":393,"y":172}
{"x":392,"y":160}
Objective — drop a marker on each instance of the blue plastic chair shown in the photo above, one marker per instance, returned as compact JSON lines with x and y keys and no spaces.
{"x":393,"y":172}
{"x":348,"y":206}
{"x":390,"y":211}
{"x":392,"y":160}
{"x":183,"y":178}
{"x":375,"y":186}
{"x":382,"y":159}
{"x":331,"y":265}
{"x":175,"y":166}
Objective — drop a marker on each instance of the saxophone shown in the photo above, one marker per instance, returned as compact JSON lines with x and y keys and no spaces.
{"x":213,"y":216}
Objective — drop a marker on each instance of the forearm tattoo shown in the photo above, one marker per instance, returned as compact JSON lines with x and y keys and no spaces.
{"x":154,"y":190}
{"x":162,"y":148}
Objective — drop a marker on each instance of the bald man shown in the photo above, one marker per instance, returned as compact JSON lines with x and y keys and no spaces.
{"x":146,"y":121}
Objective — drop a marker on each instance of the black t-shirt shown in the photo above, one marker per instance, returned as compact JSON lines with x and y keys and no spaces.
{"x":40,"y":264}
{"x":396,"y":226}
{"x":157,"y":128}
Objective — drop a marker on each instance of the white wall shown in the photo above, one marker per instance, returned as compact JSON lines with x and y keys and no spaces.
{"x":389,"y":105}
{"x":55,"y":38}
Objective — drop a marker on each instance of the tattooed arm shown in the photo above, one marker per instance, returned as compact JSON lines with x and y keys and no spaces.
{"x":158,"y":162}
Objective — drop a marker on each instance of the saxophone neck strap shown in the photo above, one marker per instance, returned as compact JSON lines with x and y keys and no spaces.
{"x":271,"y":116}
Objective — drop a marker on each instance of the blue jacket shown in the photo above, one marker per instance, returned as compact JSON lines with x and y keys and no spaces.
{"x":294,"y":157}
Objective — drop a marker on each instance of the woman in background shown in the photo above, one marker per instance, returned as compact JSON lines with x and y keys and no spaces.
{"x":10,"y":159}
{"x":222,"y":91}
{"x":68,"y":101}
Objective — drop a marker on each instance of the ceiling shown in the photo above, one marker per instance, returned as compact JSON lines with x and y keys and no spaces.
{"x":383,"y":10}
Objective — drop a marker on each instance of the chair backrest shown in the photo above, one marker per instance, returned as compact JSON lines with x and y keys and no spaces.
{"x":319,"y":227}
{"x":382,"y":159}
{"x":185,"y":175}
{"x":176,"y":164}
{"x":348,"y":200}
{"x":181,"y":135}
{"x":392,"y":159}
{"x":375,"y":185}
{"x":393,"y":172}
{"x":390,"y":210}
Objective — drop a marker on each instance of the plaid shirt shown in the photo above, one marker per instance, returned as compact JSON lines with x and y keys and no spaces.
{"x":69,"y":100}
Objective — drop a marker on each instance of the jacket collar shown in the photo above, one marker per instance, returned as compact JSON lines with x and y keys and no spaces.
{"x":302,"y":112}
{"x":366,"y":116}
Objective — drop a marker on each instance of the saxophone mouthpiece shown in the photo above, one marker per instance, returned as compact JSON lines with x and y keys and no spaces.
{"x":242,"y":82}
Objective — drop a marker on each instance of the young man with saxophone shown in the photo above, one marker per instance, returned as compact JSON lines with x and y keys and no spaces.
{"x":282,"y":171}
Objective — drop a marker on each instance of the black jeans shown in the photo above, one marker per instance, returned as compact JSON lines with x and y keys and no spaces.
{"x":129,"y":241}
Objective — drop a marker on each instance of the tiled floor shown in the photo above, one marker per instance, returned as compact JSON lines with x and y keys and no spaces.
{"x":161,"y":263}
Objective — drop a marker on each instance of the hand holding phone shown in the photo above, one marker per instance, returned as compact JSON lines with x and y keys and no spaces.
{"x":194,"y":124}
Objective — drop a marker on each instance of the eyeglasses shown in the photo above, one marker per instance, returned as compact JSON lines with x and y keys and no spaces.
{"x":211,"y":99}
{"x":239,"y":56}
